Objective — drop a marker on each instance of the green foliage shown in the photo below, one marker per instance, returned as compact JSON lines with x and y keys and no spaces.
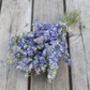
{"x":71,"y":17}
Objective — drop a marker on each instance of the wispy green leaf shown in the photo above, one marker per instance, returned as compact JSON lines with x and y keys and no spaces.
{"x":71,"y":17}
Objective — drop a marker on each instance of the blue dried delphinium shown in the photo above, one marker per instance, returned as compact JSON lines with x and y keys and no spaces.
{"x":41,"y":50}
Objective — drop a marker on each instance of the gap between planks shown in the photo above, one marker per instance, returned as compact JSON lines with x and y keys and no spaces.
{"x":69,"y":68}
{"x":0,"y":4}
{"x":32,"y":13}
{"x":29,"y":82}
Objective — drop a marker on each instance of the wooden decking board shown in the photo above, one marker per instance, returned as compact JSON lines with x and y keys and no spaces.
{"x":13,"y":17}
{"x":50,"y":11}
{"x":78,"y":45}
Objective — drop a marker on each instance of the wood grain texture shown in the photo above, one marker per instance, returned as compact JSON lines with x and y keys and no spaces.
{"x":14,"y":15}
{"x":80,"y":45}
{"x":50,"y":11}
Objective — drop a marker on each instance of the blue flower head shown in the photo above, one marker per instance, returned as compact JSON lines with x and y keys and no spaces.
{"x":40,"y":50}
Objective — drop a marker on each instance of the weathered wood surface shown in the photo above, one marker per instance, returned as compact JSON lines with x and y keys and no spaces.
{"x":80,"y":45}
{"x":14,"y":15}
{"x":50,"y":11}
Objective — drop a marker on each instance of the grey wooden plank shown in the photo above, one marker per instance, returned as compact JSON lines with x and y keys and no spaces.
{"x":85,"y":33}
{"x":79,"y":46}
{"x":50,"y":11}
{"x":14,"y":15}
